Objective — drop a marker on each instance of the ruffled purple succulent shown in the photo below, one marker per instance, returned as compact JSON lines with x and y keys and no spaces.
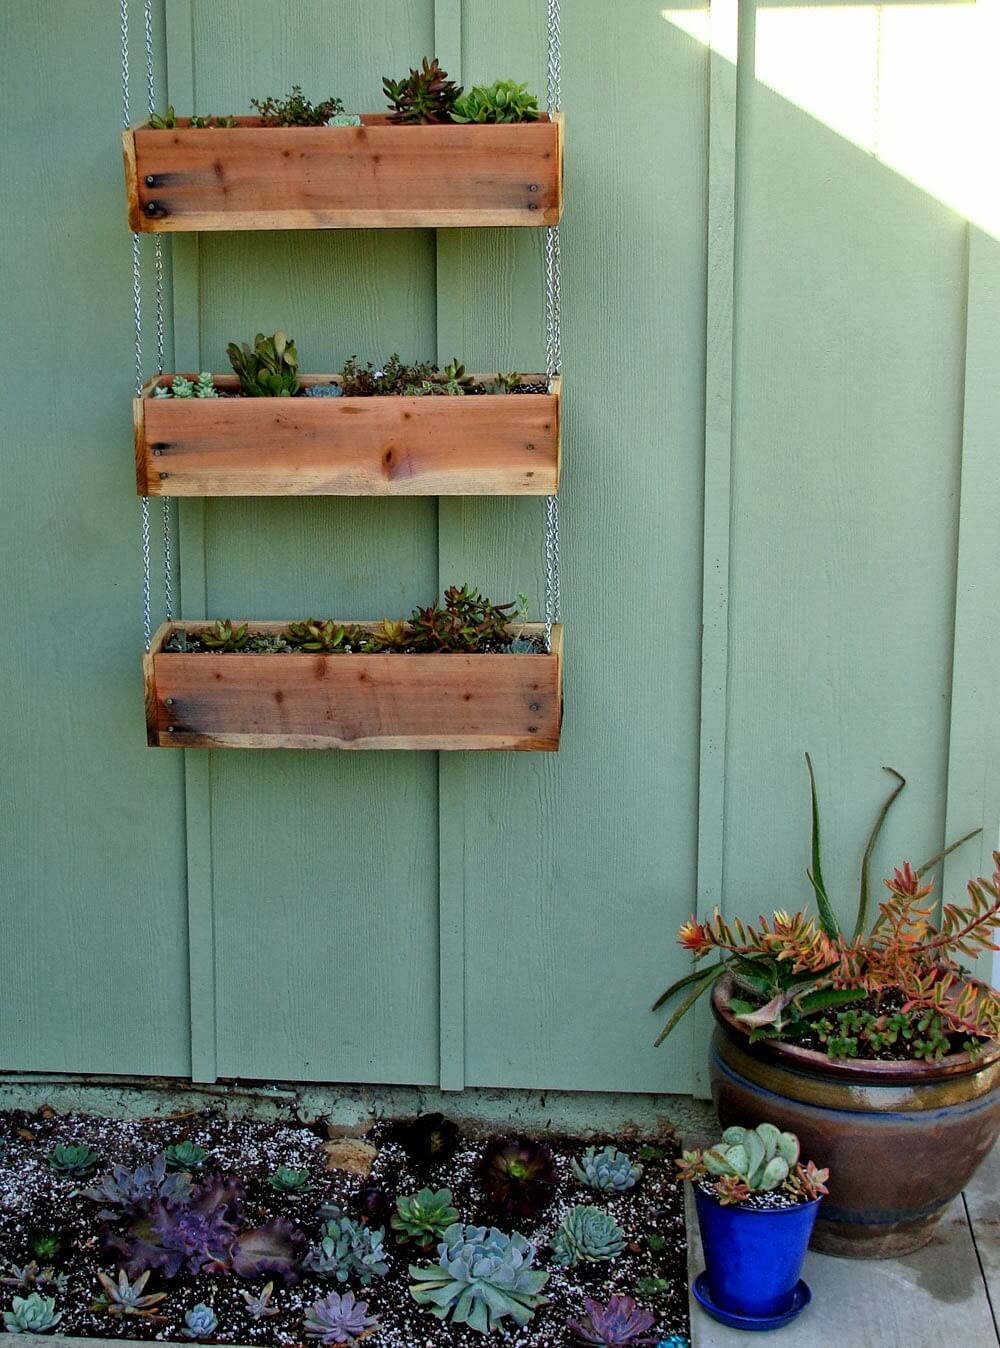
{"x":620,"y":1321}
{"x":205,"y":1234}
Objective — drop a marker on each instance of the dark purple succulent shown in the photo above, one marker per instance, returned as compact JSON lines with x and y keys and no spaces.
{"x":428,"y":1139}
{"x":277,"y":1247}
{"x":620,"y":1321}
{"x":204,"y":1234}
{"x":373,"y":1205}
{"x":517,"y":1175}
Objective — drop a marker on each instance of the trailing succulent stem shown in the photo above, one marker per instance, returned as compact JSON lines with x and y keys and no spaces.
{"x":296,"y":110}
{"x":797,"y":967}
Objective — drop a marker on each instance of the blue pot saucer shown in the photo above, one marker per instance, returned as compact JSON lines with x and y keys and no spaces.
{"x":801,"y":1298}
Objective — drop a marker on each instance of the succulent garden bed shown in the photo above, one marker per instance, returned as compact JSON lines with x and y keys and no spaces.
{"x":198,"y":1228}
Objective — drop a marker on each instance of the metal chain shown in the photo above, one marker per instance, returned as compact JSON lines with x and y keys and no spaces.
{"x":147,"y":621}
{"x":553,"y":326}
{"x":168,"y":580}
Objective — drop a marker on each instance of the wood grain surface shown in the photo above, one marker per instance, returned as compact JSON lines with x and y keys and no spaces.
{"x":488,"y":444}
{"x":375,"y":176}
{"x":316,"y":701}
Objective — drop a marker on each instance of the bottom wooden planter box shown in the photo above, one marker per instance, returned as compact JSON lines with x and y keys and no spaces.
{"x":306,"y":701}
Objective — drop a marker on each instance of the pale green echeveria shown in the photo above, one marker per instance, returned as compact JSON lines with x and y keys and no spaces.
{"x":481,"y":1278}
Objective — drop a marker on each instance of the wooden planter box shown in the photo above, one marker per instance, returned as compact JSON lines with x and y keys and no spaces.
{"x":351,"y":701}
{"x":374,"y":176}
{"x":479,"y":445}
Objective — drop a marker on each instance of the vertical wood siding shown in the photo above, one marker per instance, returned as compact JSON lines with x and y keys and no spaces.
{"x":782,"y":404}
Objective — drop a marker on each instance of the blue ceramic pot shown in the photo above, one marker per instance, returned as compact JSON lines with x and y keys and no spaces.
{"x":753,"y":1257}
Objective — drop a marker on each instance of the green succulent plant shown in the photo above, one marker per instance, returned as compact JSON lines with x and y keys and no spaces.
{"x":285,"y":1180}
{"x":481,"y":1278}
{"x":127,"y":1298}
{"x":296,"y":110}
{"x":184,"y":1156}
{"x":225,"y":635}
{"x":205,"y":387}
{"x":607,"y":1170}
{"x":72,"y":1162}
{"x":165,"y":123}
{"x":46,"y":1245}
{"x":263,"y":644}
{"x":348,"y":1249}
{"x":389,"y":636}
{"x":468,"y":621}
{"x":426,"y":94}
{"x":504,"y":101}
{"x":506,"y":383}
{"x":270,"y":370}
{"x":258,"y":1304}
{"x":32,"y":1314}
{"x":329,"y":637}
{"x":454,"y":378}
{"x":587,"y":1233}
{"x":207,"y":123}
{"x":424,"y":1216}
{"x":760,"y":1157}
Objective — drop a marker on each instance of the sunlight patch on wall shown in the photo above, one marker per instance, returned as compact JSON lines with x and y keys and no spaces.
{"x":912,"y":85}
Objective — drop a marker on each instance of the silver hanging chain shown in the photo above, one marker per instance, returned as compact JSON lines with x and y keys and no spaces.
{"x":168,"y":579}
{"x":553,"y":326}
{"x":147,"y":621}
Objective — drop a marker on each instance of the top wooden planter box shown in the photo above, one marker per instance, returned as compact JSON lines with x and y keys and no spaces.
{"x":375,"y":176}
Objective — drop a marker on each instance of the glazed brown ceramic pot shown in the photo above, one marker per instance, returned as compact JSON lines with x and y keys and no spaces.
{"x":901,"y":1139}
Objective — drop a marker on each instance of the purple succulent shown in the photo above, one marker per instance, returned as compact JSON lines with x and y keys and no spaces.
{"x":373,"y":1205}
{"x":204,"y":1234}
{"x":277,"y":1247}
{"x":518,"y":1175}
{"x":620,"y":1321}
{"x":339,"y":1319}
{"x":428,"y":1139}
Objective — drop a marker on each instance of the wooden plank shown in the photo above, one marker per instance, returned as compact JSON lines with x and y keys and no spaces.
{"x":375,"y":176}
{"x":306,"y":701}
{"x":933,"y":1296}
{"x":453,"y":788}
{"x":191,"y":590}
{"x":974,"y":741}
{"x":719,"y":328}
{"x":396,"y":446}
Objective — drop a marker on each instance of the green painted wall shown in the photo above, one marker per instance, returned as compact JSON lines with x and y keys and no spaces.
{"x":783,"y":398}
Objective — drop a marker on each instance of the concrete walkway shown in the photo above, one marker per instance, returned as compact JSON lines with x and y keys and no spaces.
{"x":947,"y":1293}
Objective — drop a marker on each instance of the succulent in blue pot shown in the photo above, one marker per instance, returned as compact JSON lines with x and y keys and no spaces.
{"x":607,"y":1170}
{"x":200,"y":1322}
{"x":32,"y":1314}
{"x":482,"y":1277}
{"x":339,"y":1319}
{"x":589,"y":1234}
{"x":620,"y":1321}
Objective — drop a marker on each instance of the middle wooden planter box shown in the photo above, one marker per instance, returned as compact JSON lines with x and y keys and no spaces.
{"x":316,"y":701}
{"x":477,"y":445}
